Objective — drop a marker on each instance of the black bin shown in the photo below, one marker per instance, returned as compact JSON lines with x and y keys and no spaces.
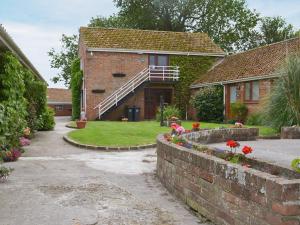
{"x":137,"y":114}
{"x":134,"y":113}
{"x":130,"y":113}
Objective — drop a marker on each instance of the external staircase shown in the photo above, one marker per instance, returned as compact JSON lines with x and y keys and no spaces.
{"x":149,"y":74}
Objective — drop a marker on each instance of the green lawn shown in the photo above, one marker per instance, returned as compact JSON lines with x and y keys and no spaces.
{"x":107,"y":133}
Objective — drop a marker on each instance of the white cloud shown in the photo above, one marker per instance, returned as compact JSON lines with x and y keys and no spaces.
{"x":35,"y":42}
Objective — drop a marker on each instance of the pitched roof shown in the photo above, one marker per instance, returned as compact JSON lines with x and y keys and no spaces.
{"x":130,"y":39}
{"x":59,"y":95}
{"x":255,"y":63}
{"x":7,"y":43}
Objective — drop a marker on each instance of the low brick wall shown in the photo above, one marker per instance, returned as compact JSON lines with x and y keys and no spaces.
{"x":290,"y":132}
{"x":226,"y":193}
{"x":207,"y":136}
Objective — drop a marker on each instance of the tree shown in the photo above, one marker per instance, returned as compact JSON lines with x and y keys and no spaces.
{"x":275,"y":29}
{"x":63,"y":59}
{"x":113,"y":21}
{"x":230,"y":23}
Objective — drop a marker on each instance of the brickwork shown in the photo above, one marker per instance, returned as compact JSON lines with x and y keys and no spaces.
{"x":290,"y":132}
{"x":62,"y":110}
{"x":226,"y":193}
{"x":99,"y":68}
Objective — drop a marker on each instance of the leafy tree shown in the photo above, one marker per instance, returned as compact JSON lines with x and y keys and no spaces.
{"x":113,"y":21}
{"x":63,"y":59}
{"x":275,"y":29}
{"x":230,"y":23}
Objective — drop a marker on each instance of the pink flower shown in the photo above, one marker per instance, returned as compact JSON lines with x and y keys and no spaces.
{"x":24,"y":141}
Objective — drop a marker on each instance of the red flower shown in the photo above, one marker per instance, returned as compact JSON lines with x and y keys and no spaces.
{"x":180,"y":143}
{"x":196,"y":125}
{"x":232,"y":144}
{"x":246,"y":150}
{"x":188,"y":131}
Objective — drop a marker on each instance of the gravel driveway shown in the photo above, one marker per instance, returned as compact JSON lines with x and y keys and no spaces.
{"x":55,"y":183}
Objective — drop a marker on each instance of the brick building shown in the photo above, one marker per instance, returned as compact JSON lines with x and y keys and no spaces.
{"x":60,"y":100}
{"x":247,"y":77}
{"x":123,"y":68}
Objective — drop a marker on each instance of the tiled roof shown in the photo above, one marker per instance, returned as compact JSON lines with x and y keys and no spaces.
{"x":106,"y":38}
{"x":59,"y":95}
{"x":257,"y":62}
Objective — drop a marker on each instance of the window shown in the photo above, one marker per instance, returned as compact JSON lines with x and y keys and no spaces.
{"x":252,"y":91}
{"x":59,"y":108}
{"x":233,"y":94}
{"x":158,"y":60}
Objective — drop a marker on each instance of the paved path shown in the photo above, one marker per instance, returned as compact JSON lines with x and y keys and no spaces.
{"x":280,"y":152}
{"x":57,"y":184}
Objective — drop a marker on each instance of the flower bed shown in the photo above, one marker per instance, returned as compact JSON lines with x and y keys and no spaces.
{"x":228,"y":193}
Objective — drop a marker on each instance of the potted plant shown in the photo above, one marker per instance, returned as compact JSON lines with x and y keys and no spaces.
{"x":81,"y":123}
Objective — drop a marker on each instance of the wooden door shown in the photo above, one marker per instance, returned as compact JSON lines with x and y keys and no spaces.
{"x":152,"y":100}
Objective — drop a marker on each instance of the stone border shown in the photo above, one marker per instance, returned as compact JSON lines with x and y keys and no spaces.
{"x":107,"y":148}
{"x":69,"y":126}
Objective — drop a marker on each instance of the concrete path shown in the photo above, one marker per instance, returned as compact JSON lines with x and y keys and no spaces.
{"x":280,"y":152}
{"x":55,"y":183}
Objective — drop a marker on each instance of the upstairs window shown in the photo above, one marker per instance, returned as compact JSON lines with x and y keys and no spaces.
{"x":252,"y":91}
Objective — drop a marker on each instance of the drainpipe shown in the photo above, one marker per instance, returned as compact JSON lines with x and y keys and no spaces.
{"x":224,"y":99}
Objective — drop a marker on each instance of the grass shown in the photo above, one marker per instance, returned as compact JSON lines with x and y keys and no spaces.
{"x":123,"y":134}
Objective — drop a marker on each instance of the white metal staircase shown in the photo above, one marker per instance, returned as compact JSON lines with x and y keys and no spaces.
{"x":151,"y":73}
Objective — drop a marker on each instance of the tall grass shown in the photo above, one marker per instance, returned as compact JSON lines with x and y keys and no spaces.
{"x":283,"y":106}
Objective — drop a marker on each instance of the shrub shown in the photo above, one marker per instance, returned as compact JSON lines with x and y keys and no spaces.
{"x":12,"y":102}
{"x":169,"y":111}
{"x":76,"y":82}
{"x":46,"y":120}
{"x":209,"y":105}
{"x":4,"y":172}
{"x":283,"y":108}
{"x":239,"y":111}
{"x":254,"y":119}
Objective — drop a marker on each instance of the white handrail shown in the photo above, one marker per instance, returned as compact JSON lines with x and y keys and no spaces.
{"x":159,"y":73}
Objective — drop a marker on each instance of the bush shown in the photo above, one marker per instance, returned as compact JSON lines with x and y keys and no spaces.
{"x":254,"y":120}
{"x":239,"y":111}
{"x":283,"y":108}
{"x":209,"y":105}
{"x":12,"y":102}
{"x":76,"y":82}
{"x":169,"y":111}
{"x":46,"y":120}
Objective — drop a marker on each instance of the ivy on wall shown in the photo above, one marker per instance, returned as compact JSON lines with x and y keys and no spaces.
{"x":12,"y":102}
{"x":76,"y":82}
{"x":191,"y":69}
{"x":23,"y":100}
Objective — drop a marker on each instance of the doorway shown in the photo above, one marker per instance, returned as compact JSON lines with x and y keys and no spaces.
{"x":152,"y":100}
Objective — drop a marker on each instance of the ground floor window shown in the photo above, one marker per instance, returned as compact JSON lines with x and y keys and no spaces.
{"x":233,"y":94}
{"x":252,"y":91}
{"x":59,"y":108}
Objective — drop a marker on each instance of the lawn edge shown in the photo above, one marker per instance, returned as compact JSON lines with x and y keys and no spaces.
{"x":106,"y":148}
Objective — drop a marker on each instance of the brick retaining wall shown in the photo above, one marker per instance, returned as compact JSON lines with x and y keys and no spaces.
{"x":227,"y":193}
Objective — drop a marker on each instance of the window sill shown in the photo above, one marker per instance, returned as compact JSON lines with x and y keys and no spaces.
{"x":251,"y":102}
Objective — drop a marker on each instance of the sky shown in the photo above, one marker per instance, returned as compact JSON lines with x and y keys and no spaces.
{"x":37,"y":25}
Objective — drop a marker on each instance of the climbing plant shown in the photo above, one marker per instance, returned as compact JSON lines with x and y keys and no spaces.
{"x":12,"y":102}
{"x":191,"y":68}
{"x":76,"y":82}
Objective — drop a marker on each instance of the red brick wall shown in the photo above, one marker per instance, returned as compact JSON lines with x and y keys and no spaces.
{"x":226,"y":193}
{"x":98,"y":70}
{"x":66,"y":110}
{"x":253,"y":107}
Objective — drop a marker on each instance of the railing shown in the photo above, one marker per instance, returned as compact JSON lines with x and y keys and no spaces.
{"x":152,"y":73}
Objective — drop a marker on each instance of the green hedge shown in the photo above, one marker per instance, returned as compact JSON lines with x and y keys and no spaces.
{"x":76,"y":82}
{"x":191,"y":68}
{"x":209,"y":105}
{"x":22,"y":99}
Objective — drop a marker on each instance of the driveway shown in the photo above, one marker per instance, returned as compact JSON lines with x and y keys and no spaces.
{"x":280,"y":152}
{"x":55,"y":183}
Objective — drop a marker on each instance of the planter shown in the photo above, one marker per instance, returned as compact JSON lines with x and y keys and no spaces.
{"x":229,"y":193}
{"x":80,"y":124}
{"x":290,"y":132}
